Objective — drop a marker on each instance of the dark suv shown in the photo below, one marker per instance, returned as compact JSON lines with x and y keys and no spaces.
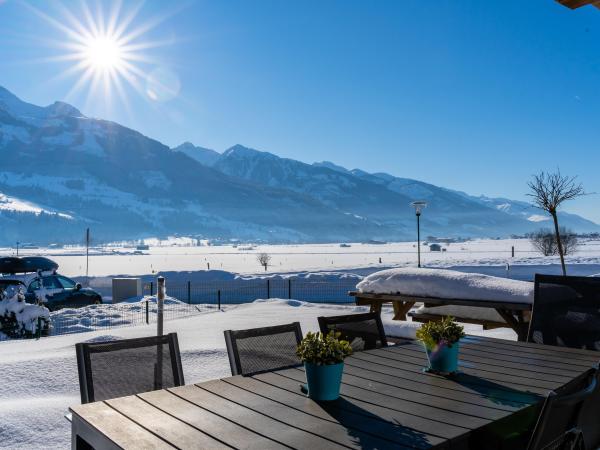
{"x":60,"y":292}
{"x":37,"y":277}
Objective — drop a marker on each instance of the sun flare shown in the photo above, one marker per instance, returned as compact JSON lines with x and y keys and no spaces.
{"x":107,"y":50}
{"x":103,"y":53}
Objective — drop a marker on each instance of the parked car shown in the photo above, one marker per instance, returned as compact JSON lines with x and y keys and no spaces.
{"x":43,"y":285}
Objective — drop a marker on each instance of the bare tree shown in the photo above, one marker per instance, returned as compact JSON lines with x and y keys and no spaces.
{"x":263,"y":259}
{"x":543,"y":240}
{"x":549,"y":191}
{"x":569,"y":239}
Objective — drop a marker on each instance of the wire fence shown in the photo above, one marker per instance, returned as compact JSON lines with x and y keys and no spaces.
{"x":232,"y":292}
{"x":193,"y":298}
{"x":108,"y":316}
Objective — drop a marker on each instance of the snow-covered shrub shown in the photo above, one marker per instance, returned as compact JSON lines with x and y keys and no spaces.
{"x":21,"y":319}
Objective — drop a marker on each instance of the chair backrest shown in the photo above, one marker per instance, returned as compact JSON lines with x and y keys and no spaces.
{"x":363,"y":331}
{"x":130,"y":366}
{"x":559,"y":419}
{"x":263,"y":349}
{"x":566,"y":311}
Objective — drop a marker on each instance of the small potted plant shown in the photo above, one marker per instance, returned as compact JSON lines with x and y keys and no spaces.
{"x":441,"y":342}
{"x":323,"y":357}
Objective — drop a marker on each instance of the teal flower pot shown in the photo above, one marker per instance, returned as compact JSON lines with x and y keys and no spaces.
{"x":324,"y":380}
{"x":443,"y":359}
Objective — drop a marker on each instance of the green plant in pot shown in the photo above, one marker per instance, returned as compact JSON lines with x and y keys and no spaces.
{"x":323,"y":357}
{"x":441,"y":342}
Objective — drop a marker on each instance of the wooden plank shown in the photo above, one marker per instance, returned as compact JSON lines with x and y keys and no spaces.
{"x":521,"y":378}
{"x":118,"y":428}
{"x":496,"y":393}
{"x":535,"y":364}
{"x":426,"y":388}
{"x":433,"y":400}
{"x":500,"y":353}
{"x":258,"y":423}
{"x":423,"y":425}
{"x":330,"y":429}
{"x":532,"y":347}
{"x":177,"y":433}
{"x":216,"y":426}
{"x":504,"y":363}
{"x":399,"y":404}
{"x":471,"y":376}
{"x":384,"y":298}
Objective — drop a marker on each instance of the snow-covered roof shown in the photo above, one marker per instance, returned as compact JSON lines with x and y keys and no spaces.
{"x":442,"y":283}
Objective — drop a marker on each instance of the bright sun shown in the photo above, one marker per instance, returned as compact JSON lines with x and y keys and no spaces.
{"x":106,"y":51}
{"x":103,"y":53}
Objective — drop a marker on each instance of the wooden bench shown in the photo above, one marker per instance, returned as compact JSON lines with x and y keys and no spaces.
{"x":516,"y":315}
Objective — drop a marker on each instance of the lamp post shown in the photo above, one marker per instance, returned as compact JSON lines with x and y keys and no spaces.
{"x":419,"y":207}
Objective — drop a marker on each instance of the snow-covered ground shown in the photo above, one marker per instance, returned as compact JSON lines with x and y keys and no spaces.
{"x":39,"y":378}
{"x":178,"y":255}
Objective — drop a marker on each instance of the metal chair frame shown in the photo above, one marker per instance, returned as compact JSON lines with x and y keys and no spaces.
{"x":325,"y":321}
{"x":231,"y":337}
{"x":85,"y":349}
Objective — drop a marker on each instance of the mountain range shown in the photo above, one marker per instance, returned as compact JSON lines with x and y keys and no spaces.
{"x":62,"y":172}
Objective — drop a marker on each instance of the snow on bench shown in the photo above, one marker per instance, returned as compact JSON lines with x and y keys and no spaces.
{"x":450,"y":284}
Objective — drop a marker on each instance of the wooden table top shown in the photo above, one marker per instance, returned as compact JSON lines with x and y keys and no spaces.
{"x":387,"y":402}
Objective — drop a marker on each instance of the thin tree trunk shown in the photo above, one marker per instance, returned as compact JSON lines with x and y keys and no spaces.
{"x":559,"y":243}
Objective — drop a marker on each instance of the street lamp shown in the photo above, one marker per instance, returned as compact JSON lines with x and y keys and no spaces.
{"x":419,"y":206}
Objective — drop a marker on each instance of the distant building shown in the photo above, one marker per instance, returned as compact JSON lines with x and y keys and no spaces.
{"x":435,"y":248}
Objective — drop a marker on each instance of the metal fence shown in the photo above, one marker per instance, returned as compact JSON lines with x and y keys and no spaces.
{"x":108,"y":316}
{"x":196,"y":298}
{"x":232,"y":292}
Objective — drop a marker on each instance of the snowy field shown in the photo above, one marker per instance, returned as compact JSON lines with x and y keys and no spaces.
{"x":178,"y":255}
{"x":39,"y":378}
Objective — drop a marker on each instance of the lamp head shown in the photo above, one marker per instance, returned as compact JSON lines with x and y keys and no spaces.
{"x":419,"y":206}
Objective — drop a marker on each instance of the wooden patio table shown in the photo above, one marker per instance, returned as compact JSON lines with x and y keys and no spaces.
{"x":515,"y":314}
{"x":387,"y":401}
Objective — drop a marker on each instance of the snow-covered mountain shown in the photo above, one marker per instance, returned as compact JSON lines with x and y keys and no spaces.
{"x":62,"y":172}
{"x":203,"y":155}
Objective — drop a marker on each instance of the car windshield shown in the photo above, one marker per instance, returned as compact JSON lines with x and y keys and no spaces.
{"x":66,"y":282}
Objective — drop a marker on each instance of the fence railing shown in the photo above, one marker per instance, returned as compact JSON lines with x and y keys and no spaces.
{"x":244,"y":291}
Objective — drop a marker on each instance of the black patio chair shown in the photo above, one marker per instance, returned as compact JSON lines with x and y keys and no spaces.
{"x":363,"y":331}
{"x":259,"y":350}
{"x":566,"y":312}
{"x":130,"y":366}
{"x":559,"y":423}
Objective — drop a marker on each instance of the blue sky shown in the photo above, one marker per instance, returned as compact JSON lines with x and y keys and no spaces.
{"x":467,"y":94}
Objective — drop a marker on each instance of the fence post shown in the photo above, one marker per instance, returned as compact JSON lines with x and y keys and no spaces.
{"x":268,"y":288}
{"x":160,"y":304}
{"x":289,"y":288}
{"x":189,"y":286}
{"x":147,"y":313}
{"x":152,"y":288}
{"x":513,"y":251}
{"x":219,"y":299}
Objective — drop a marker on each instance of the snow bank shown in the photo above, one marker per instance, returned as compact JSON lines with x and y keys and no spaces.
{"x":443,"y":283}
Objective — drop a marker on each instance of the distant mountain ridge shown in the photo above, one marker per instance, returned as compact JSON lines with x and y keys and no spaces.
{"x":62,"y":172}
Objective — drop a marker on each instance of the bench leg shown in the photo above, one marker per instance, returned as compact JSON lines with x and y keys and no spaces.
{"x":517,"y":323}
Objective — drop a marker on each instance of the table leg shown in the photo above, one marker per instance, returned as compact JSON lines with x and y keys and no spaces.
{"x":401,"y":308}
